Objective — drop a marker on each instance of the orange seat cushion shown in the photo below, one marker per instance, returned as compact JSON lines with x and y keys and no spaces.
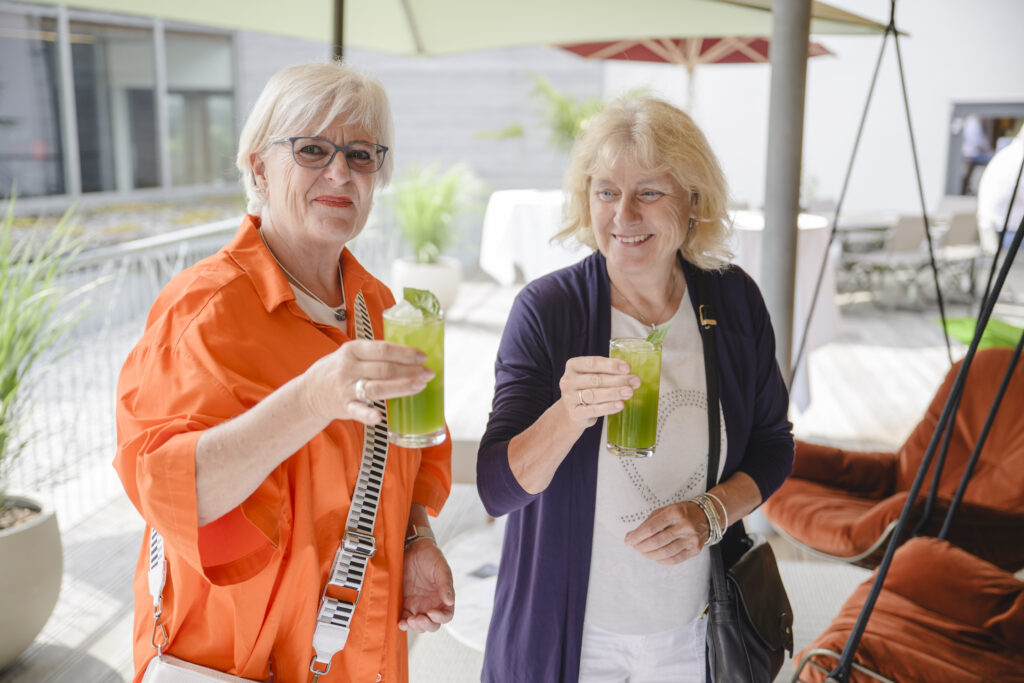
{"x":943,"y":615}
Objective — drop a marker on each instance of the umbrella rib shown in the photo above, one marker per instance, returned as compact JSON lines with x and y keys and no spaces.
{"x":720,"y":50}
{"x":745,"y":49}
{"x":612,"y":49}
{"x":663,"y":48}
{"x":673,"y":51}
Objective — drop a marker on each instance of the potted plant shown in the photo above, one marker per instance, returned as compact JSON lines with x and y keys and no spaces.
{"x":33,"y":318}
{"x":427,"y":202}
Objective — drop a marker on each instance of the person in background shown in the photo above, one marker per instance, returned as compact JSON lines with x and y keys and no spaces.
{"x":241,"y":411}
{"x":995,"y":189}
{"x":604,"y":574}
{"x":975,"y":149}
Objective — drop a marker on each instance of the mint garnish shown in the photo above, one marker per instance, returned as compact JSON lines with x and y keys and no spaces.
{"x":658,"y":335}
{"x":424,"y":300}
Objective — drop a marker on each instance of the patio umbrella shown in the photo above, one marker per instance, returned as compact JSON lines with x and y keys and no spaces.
{"x":437,"y":27}
{"x":687,"y":52}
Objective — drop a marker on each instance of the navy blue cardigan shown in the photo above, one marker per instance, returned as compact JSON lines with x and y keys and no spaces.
{"x":537,"y":624}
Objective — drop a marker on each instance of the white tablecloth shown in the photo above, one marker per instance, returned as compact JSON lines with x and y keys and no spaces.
{"x":517,"y":228}
{"x":812,"y":241}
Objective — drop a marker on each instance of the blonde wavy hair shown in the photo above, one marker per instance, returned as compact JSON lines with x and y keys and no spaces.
{"x":661,"y":139}
{"x":311,"y":97}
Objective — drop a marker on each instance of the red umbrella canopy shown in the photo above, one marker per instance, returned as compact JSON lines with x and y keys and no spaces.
{"x":689,"y":52}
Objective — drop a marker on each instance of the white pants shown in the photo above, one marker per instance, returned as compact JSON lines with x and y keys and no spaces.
{"x":675,"y":656}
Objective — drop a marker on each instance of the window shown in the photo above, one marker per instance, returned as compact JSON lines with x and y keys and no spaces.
{"x":115,"y":106}
{"x":31,"y":152}
{"x":200,"y":104}
{"x":977,"y":132}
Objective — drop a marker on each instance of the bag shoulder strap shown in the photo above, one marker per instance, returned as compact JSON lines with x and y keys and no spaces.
{"x":708,"y":323}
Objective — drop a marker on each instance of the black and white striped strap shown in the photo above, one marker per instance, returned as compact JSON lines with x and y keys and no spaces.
{"x":341,"y":593}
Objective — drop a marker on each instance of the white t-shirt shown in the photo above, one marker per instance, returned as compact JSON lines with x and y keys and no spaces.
{"x":994,"y":191}
{"x":629,"y":593}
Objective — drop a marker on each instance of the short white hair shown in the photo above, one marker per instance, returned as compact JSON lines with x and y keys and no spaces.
{"x":311,"y":97}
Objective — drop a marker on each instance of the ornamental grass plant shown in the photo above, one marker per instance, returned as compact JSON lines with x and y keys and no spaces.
{"x":34,"y":317}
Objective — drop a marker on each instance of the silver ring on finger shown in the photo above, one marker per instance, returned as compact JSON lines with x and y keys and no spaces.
{"x":579,"y":399}
{"x":361,"y":391}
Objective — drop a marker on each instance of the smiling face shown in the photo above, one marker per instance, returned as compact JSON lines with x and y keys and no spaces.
{"x":319,"y":208}
{"x":639,"y":219}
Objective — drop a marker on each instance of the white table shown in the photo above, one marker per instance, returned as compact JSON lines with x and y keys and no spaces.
{"x":472,"y":556}
{"x":812,"y":242}
{"x":517,"y":229}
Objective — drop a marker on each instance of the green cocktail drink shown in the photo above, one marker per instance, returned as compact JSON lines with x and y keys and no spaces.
{"x":417,"y":421}
{"x":634,"y":430}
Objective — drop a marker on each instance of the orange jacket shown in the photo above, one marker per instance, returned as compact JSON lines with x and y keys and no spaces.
{"x":244,"y":590}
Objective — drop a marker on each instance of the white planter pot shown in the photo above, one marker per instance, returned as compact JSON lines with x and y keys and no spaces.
{"x":31,"y":568}
{"x":441,"y":278}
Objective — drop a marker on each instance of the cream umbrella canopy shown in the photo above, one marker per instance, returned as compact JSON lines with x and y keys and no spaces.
{"x":437,"y":27}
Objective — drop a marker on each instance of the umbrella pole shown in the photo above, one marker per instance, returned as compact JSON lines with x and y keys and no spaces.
{"x":690,"y":89}
{"x":339,"y":33}
{"x":791,"y":22}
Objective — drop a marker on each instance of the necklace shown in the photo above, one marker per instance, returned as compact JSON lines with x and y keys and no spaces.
{"x":339,"y":312}
{"x":643,"y":318}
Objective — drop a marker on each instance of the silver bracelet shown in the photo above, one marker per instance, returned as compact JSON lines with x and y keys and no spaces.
{"x":725,"y":513}
{"x":715,"y":532}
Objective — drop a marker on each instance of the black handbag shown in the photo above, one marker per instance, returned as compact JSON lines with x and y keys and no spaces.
{"x":750,"y":621}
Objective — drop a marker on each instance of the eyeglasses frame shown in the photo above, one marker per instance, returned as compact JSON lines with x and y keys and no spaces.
{"x":382,"y":149}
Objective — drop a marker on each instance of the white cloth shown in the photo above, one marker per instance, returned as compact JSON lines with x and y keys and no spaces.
{"x":994,"y":190}
{"x":675,"y":656}
{"x":629,"y":593}
{"x":518,"y":226}
{"x":811,"y":245}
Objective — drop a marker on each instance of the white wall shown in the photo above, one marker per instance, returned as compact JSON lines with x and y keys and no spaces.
{"x":956,"y":51}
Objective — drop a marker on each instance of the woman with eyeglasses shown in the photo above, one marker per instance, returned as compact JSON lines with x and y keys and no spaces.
{"x":242,"y":411}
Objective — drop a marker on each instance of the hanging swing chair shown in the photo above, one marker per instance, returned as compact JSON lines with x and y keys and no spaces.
{"x":932,"y":611}
{"x":843,"y":505}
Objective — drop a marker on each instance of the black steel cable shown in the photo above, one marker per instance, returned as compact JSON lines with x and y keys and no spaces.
{"x":920,"y":190}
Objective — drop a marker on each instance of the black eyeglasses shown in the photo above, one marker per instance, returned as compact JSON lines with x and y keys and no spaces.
{"x":361,"y":157}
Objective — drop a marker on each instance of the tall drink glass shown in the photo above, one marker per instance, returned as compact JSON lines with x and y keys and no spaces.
{"x":417,"y":421}
{"x":634,"y":430}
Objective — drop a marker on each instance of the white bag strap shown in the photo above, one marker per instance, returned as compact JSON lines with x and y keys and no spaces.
{"x":345,"y":581}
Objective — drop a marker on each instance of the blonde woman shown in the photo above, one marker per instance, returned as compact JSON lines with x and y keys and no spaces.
{"x":604,"y":574}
